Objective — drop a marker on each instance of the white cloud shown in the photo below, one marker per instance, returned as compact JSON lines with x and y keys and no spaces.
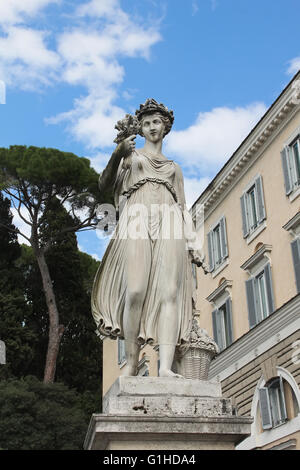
{"x":294,"y":66}
{"x":193,"y":187}
{"x":87,"y":55}
{"x":99,"y":9}
{"x":95,"y":256}
{"x":195,"y":7}
{"x":21,"y":225}
{"x":211,"y":140}
{"x":13,"y":11}
{"x":25,"y":60}
{"x":91,"y":58}
{"x":99,"y":161}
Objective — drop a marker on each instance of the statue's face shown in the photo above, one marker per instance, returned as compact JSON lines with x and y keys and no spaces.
{"x":153,"y":128}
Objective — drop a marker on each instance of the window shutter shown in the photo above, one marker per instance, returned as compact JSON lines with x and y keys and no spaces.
{"x":229,"y":321}
{"x":251,"y":302}
{"x":270,"y":295}
{"x":283,"y":410}
{"x":244,"y":215}
{"x":265,"y":409}
{"x":215,"y":327}
{"x":296,"y":259}
{"x":210,"y":251}
{"x":260,"y":199}
{"x":285,"y":158}
{"x":223,"y":237}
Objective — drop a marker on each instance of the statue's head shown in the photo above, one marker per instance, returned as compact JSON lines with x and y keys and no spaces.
{"x":151,"y":107}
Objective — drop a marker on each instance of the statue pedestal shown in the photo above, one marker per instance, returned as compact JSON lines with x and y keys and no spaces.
{"x":162,"y":413}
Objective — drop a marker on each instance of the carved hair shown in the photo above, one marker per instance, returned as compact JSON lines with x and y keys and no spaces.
{"x":152,"y":107}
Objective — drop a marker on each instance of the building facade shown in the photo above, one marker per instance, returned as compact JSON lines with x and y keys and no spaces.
{"x":250,"y":302}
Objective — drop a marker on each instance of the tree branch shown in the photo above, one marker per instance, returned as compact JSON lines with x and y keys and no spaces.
{"x":17,"y":231}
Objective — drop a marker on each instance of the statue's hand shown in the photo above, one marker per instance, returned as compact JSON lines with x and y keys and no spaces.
{"x":127,"y":146}
{"x":198,"y":260}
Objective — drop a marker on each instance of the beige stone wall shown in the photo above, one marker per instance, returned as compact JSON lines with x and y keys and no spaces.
{"x":279,"y":211}
{"x":111,"y":368}
{"x":241,"y":385}
{"x":292,"y":437}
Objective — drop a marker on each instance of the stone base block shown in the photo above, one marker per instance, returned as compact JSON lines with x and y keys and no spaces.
{"x":163,"y":413}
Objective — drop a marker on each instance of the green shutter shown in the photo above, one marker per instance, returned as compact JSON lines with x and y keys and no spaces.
{"x":229,"y":321}
{"x":244,"y":216}
{"x":223,"y":238}
{"x":215,"y":327}
{"x":251,"y":301}
{"x":287,"y":173}
{"x":283,"y":409}
{"x":210,"y":251}
{"x":296,"y":259}
{"x":265,"y":408}
{"x":270,"y":295}
{"x":261,"y":211}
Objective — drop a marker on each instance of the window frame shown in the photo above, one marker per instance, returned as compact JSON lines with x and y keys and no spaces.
{"x":217,"y":236}
{"x":253,"y":294}
{"x":295,"y":247}
{"x":291,"y":168}
{"x":273,"y":414}
{"x":222,"y":324}
{"x":251,"y":204}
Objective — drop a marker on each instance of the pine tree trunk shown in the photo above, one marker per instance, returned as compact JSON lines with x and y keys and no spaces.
{"x":55,"y":329}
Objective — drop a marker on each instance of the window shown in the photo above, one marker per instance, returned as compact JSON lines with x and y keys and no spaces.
{"x":121,"y":351}
{"x":296,"y":259}
{"x":260,"y":297}
{"x":222,"y":325}
{"x":272,"y":404}
{"x":217,"y":245}
{"x":253,"y":207}
{"x":291,"y":165}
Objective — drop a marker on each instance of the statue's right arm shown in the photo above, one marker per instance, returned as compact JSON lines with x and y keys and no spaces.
{"x":108,"y":176}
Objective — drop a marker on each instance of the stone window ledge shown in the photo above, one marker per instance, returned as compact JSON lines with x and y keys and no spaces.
{"x":256,"y":232}
{"x":294,"y":194}
{"x":220,"y":268}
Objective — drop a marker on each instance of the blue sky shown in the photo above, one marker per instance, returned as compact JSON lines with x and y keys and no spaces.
{"x":72,"y":68}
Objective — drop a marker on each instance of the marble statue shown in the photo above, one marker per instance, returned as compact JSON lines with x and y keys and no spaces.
{"x":143,"y":289}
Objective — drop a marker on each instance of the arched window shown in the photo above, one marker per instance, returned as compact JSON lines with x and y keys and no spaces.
{"x":277,"y":403}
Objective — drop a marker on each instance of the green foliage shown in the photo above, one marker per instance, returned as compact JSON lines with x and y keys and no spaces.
{"x":14,"y":309}
{"x":80,"y":358}
{"x":41,"y":179}
{"x":35,"y":416}
{"x":46,"y":168}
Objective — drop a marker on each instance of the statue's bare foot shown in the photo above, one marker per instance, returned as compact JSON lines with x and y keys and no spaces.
{"x":129,"y":371}
{"x":169,"y":373}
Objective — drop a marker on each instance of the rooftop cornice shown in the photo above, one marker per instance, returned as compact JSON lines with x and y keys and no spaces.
{"x":261,"y":134}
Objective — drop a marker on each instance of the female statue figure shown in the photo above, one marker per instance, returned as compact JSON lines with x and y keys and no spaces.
{"x":143,"y":289}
